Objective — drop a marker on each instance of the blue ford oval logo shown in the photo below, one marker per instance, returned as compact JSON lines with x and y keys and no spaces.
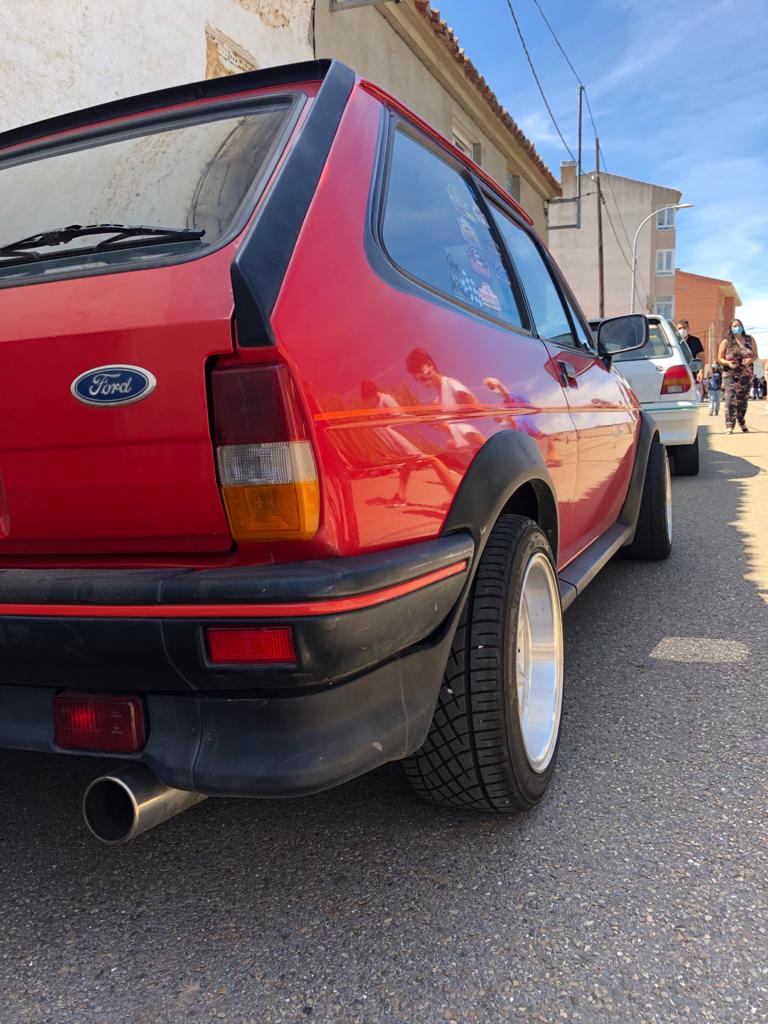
{"x":113,"y":385}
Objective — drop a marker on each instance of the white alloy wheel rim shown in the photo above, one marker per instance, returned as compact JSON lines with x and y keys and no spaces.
{"x":667,"y":496}
{"x":539,"y":662}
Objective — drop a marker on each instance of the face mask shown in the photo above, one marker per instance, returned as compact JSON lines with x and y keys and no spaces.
{"x":684,"y":331}
{"x":737,"y":330}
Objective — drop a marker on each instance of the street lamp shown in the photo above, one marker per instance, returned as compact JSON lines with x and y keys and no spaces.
{"x":676,"y":206}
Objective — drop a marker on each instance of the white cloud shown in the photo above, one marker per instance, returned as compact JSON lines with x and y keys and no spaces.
{"x":754,"y":313}
{"x":539,"y":128}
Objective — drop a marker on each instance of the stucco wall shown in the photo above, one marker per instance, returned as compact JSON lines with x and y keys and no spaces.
{"x":365,"y":40}
{"x":60,"y":55}
{"x":576,"y":251}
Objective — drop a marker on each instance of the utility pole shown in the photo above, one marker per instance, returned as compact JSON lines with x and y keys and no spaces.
{"x":600,"y":265}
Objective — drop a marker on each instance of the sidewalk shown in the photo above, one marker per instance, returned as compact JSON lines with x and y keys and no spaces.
{"x":750,"y":513}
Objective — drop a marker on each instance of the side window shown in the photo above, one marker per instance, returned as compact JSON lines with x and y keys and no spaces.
{"x":581,"y":334}
{"x":549,"y":316}
{"x":434,"y":230}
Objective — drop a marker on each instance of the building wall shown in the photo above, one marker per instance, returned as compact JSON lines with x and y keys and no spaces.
{"x":705,"y":303}
{"x":381,"y":43}
{"x":576,"y":250}
{"x":57,"y":56}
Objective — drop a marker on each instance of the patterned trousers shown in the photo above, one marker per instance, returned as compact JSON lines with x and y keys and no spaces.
{"x":736,"y":387}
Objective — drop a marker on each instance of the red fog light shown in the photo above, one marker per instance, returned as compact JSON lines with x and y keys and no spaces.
{"x":233,"y":646}
{"x":103,"y":724}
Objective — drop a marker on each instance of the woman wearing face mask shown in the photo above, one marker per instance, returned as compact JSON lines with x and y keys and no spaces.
{"x":736,"y":355}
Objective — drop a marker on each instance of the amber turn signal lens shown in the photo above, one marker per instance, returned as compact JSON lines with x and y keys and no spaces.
{"x":273,"y":511}
{"x":267,"y":471}
{"x":270,"y":491}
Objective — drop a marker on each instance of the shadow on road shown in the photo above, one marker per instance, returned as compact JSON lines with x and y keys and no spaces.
{"x":364,"y":904}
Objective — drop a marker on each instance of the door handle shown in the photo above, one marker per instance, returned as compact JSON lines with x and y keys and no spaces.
{"x":568,"y":373}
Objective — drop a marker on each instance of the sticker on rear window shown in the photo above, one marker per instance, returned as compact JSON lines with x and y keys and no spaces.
{"x":468,"y":232}
{"x":488,"y":297}
{"x":477,"y":263}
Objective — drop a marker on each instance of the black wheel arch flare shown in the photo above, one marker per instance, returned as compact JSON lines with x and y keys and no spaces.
{"x":508,"y":466}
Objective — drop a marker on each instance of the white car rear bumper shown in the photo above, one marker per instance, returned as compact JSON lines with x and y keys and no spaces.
{"x":678,"y":422}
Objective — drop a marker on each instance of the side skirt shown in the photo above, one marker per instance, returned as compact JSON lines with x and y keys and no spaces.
{"x":576,"y":576}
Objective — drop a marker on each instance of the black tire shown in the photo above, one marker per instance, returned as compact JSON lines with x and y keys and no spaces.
{"x":474,"y":755}
{"x":653,"y":537}
{"x":685,"y":458}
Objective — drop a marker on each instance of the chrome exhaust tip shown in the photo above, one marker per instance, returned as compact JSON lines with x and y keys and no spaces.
{"x":120,"y":806}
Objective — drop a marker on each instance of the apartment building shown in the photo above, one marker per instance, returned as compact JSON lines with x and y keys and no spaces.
{"x":56,"y":57}
{"x":626,"y":203}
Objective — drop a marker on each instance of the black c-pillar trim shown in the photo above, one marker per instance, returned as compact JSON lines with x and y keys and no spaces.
{"x":262,"y":260}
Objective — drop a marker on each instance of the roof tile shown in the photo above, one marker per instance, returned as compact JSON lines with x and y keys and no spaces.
{"x":451,"y":42}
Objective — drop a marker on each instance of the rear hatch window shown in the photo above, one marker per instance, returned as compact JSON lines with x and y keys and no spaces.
{"x":657,"y":347}
{"x":82,"y":206}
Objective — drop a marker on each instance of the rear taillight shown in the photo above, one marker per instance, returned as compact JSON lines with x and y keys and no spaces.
{"x":677,"y":379}
{"x":266,"y":466}
{"x":102,"y":723}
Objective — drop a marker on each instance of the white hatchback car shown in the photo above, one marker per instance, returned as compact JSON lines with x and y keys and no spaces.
{"x":662,"y":375}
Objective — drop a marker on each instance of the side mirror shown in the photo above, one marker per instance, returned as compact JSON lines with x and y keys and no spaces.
{"x":696,"y":365}
{"x":622,"y":334}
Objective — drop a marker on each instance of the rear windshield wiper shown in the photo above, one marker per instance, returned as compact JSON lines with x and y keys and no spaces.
{"x":25,"y":248}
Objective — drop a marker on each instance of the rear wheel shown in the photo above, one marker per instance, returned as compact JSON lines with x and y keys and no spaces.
{"x":653,"y":536}
{"x":496,"y":729}
{"x":685,"y":459}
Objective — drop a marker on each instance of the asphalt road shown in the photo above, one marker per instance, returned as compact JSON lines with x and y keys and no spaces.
{"x":635,"y":893}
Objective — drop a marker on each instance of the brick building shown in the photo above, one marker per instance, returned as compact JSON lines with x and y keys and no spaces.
{"x":708,"y":303}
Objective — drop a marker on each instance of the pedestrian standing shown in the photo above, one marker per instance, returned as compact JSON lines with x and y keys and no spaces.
{"x":697,"y":351}
{"x":715,"y":389}
{"x":737,"y":355}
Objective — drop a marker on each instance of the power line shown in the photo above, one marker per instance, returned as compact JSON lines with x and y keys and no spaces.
{"x":618,"y":208}
{"x":627,"y":259}
{"x":578,"y":78}
{"x":559,"y":45}
{"x":537,"y":80}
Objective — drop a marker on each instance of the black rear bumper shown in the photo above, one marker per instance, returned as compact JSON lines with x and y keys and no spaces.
{"x":371,"y":634}
{"x":265,"y":746}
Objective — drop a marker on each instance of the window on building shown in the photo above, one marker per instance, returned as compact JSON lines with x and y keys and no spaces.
{"x":462,"y":142}
{"x":513,"y":184}
{"x":434,"y":231}
{"x":665,"y":262}
{"x":664,"y":306}
{"x":544,"y":301}
{"x":665,"y":219}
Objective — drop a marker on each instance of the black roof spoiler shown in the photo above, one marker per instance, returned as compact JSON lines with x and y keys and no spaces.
{"x":213,"y":88}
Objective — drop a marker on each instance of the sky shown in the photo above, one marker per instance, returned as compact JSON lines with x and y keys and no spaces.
{"x":679,"y":93}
